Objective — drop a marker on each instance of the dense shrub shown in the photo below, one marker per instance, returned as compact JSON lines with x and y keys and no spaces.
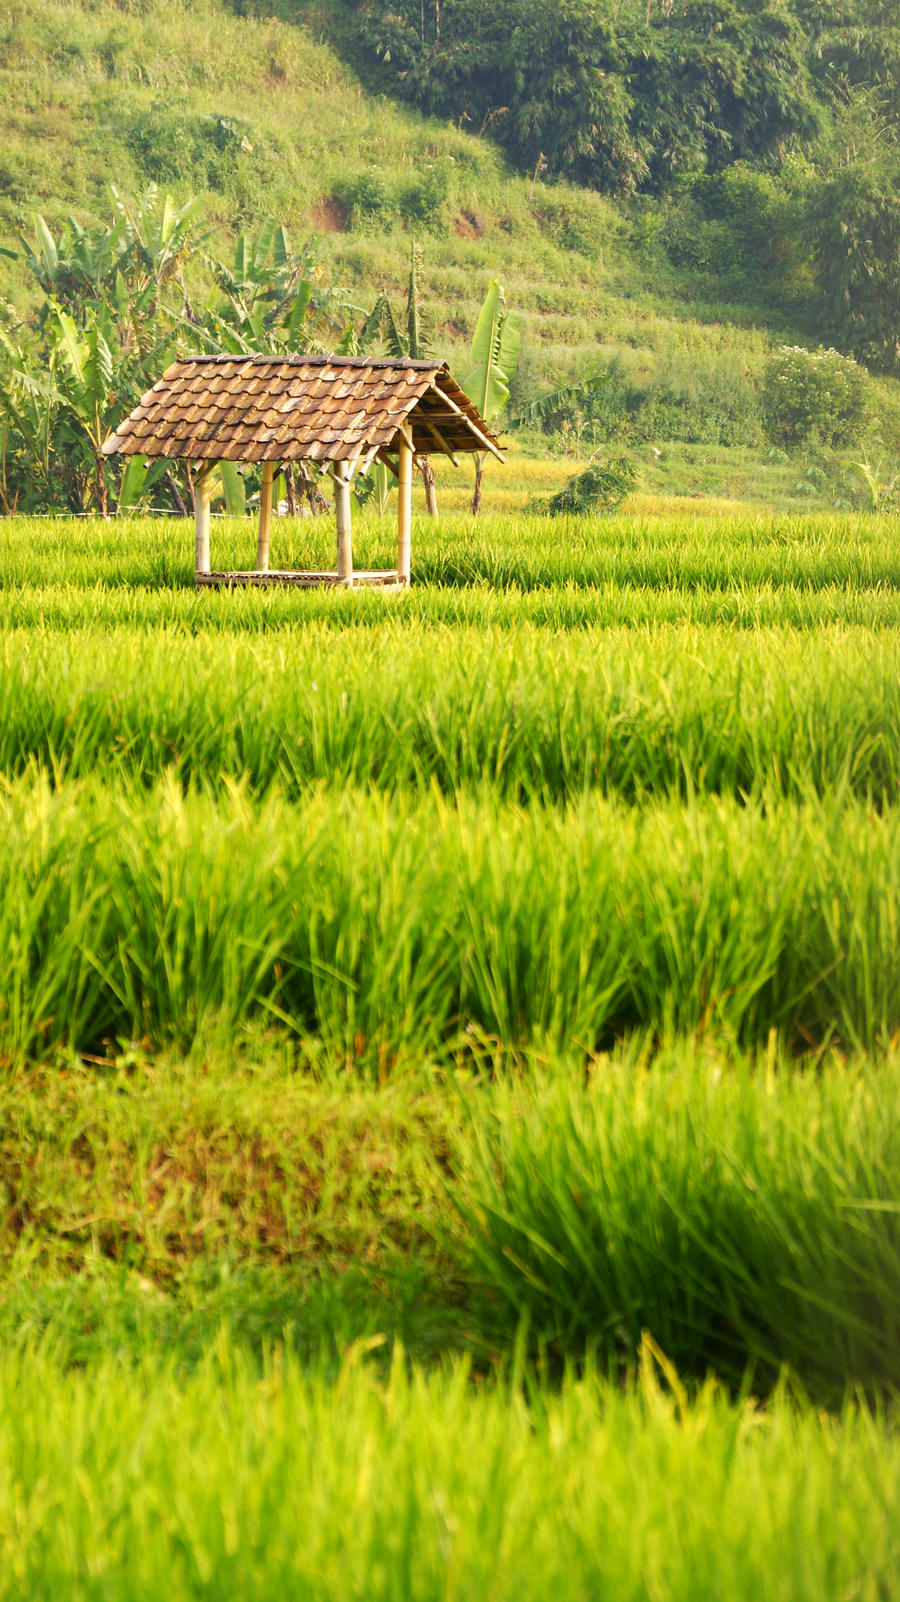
{"x":709,"y":401}
{"x":602,"y":487}
{"x":814,"y":395}
{"x":174,"y":145}
{"x":741,"y":225}
{"x":426,"y":202}
{"x":365,"y":197}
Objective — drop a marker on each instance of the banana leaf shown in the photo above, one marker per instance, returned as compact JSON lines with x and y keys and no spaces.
{"x":138,"y":479}
{"x":495,"y":354}
{"x":545,"y":405}
{"x":233,"y":489}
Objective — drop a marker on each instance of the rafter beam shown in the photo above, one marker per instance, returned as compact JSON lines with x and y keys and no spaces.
{"x":488,"y":444}
{"x":406,"y":435}
{"x":436,"y":434}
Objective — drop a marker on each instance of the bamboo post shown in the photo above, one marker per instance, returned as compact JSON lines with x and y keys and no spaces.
{"x":404,"y":510}
{"x":201,"y":520}
{"x":265,"y":517}
{"x":342,"y":515}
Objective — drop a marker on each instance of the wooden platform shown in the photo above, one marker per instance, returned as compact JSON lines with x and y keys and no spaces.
{"x":389,"y":580}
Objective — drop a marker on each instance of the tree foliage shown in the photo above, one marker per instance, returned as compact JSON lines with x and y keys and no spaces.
{"x":855,"y":42}
{"x":853,"y":227}
{"x":618,"y":97}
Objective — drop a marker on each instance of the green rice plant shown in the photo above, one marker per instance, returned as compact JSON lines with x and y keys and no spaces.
{"x":740,"y":1217}
{"x":231,"y":1480}
{"x":380,"y":929}
{"x":554,"y":609}
{"x":637,"y":714}
{"x":672,"y":554}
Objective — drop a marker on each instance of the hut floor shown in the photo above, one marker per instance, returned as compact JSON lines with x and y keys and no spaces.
{"x":389,"y":580}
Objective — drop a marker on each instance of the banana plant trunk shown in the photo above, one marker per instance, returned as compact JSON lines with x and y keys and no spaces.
{"x":426,"y":468}
{"x":480,"y":459}
{"x":102,"y":497}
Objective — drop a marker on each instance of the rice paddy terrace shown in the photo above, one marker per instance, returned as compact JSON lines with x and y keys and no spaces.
{"x":450,"y":1087}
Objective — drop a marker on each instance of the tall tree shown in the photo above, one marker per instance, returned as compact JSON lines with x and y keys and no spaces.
{"x":853,"y":226}
{"x":618,"y":96}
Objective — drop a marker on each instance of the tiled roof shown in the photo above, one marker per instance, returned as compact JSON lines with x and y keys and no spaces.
{"x":294,"y":408}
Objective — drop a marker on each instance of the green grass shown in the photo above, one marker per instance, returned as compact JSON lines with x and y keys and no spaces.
{"x":153,"y":1204}
{"x":741,"y":1212}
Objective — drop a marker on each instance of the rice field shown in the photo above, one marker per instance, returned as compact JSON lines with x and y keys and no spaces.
{"x":276,"y":1480}
{"x":449,"y":1073}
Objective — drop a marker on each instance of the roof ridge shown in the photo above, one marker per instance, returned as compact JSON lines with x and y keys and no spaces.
{"x":298,"y":358}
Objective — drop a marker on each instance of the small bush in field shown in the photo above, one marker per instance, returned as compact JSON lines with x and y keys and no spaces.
{"x":366,"y":198}
{"x":602,"y":487}
{"x":814,"y":395}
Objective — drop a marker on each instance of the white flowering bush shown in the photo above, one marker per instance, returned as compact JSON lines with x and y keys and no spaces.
{"x":814,"y":395}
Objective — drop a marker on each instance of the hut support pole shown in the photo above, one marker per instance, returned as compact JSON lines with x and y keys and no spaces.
{"x":404,"y":510}
{"x":265,"y":517}
{"x":201,"y":521}
{"x":342,"y":515}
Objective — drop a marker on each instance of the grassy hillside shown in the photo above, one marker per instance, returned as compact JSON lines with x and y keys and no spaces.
{"x":261,"y":117}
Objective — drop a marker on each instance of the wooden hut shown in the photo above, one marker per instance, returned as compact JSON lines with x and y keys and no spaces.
{"x":347,"y":411}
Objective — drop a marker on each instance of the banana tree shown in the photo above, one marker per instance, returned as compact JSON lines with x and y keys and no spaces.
{"x":100,"y":334}
{"x":85,"y":387}
{"x":27,"y":410}
{"x":495,"y":356}
{"x":93,"y":389}
{"x":139,"y":478}
{"x":160,"y":235}
{"x":79,"y":265}
{"x":124,"y":265}
{"x":273,"y":299}
{"x":413,"y":341}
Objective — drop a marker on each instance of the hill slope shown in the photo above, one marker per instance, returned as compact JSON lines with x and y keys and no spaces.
{"x":261,"y":117}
